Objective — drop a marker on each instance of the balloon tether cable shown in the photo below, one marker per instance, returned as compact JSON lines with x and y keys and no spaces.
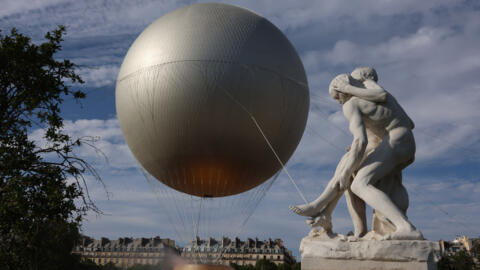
{"x":269,"y":144}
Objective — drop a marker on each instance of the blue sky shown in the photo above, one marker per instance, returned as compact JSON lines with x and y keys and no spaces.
{"x":427,"y":54}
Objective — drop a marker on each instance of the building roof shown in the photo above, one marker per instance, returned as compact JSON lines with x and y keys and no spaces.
{"x":226,"y":242}
{"x":126,"y":242}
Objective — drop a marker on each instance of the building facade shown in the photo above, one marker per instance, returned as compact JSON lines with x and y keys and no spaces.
{"x":126,"y":251}
{"x":462,"y":243}
{"x":227,"y":251}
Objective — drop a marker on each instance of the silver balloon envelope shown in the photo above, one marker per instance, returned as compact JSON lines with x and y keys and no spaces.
{"x":192,"y":89}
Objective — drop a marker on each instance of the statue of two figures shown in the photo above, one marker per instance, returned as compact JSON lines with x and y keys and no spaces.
{"x":371,"y":170}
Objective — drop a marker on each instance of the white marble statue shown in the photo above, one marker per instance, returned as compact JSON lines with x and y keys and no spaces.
{"x":371,"y":170}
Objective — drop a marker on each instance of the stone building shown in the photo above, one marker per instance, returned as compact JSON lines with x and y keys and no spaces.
{"x":458,"y":244}
{"x":126,"y":251}
{"x":227,"y":251}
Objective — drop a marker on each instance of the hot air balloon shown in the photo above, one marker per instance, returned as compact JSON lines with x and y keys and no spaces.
{"x":184,"y":90}
{"x":212,"y":99}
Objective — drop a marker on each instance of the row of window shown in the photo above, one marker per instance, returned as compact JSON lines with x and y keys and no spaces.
{"x":250,"y":257}
{"x":127,"y":261}
{"x":111,"y":255}
{"x":236,"y":250}
{"x":271,"y":257}
{"x":243,"y":262}
{"x":154,"y":261}
{"x":131,"y":249}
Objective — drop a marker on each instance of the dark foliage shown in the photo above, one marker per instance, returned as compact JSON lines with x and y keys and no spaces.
{"x":476,"y":249}
{"x":458,"y":261}
{"x":39,"y":219}
{"x":264,"y":264}
{"x":88,"y":265}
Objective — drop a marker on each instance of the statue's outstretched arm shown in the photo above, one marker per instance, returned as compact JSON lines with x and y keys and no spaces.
{"x":352,"y":159}
{"x":372,"y":91}
{"x":345,"y":168}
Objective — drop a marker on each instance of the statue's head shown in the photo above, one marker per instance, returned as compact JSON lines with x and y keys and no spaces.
{"x":338,"y":81}
{"x":364,"y":73}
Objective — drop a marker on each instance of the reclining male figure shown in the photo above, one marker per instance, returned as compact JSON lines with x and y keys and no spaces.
{"x":383,"y":143}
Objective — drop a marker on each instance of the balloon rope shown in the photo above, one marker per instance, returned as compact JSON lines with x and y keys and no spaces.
{"x":269,"y":144}
{"x":257,"y":201}
{"x":193,"y":219}
{"x":195,"y":247}
{"x":169,"y":217}
{"x":259,"y":196}
{"x":278,"y":158}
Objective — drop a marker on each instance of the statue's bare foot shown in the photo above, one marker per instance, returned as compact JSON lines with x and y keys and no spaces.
{"x":322,"y":220}
{"x":307,"y":210}
{"x":404,"y":234}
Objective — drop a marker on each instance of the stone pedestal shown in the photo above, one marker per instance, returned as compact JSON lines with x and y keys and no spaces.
{"x":334,"y":252}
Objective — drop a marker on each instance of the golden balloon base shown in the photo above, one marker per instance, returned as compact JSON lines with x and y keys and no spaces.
{"x":201,"y":267}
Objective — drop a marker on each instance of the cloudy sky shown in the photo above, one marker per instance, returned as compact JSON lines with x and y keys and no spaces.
{"x":427,"y":54}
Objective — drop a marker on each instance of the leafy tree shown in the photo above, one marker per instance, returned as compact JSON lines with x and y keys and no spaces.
{"x":147,"y":267}
{"x":265,"y":264}
{"x":86,"y":264}
{"x":248,"y":267}
{"x":39,"y":219}
{"x":109,"y":266}
{"x":476,"y":249}
{"x":236,"y":266}
{"x":284,"y":266}
{"x":460,"y":260}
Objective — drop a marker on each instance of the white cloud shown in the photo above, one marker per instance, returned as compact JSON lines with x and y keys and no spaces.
{"x":110,"y":142}
{"x":87,"y":18}
{"x":99,"y":76}
{"x":296,"y":14}
{"x":18,"y":7}
{"x":109,"y":148}
{"x":344,"y":52}
{"x":445,"y":206}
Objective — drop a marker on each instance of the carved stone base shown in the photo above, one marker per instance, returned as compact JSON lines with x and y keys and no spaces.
{"x":322,"y":251}
{"x":327,"y":264}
